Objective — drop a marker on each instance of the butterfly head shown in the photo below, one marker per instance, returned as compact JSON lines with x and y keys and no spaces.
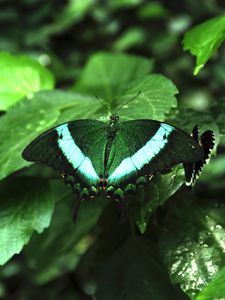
{"x":103,"y":183}
{"x":114,"y":118}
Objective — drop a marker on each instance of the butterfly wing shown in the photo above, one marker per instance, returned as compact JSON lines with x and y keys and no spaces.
{"x":73,"y":148}
{"x":144,"y":147}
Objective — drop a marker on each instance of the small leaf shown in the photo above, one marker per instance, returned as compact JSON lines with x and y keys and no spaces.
{"x":21,"y":76}
{"x":204,"y":39}
{"x":73,"y":12}
{"x":152,"y":11}
{"x":120,"y":4}
{"x":133,"y":37}
{"x":26,"y":205}
{"x":29,"y":118}
{"x":134,"y":272}
{"x":107,"y":75}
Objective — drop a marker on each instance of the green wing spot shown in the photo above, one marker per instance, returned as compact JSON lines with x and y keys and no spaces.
{"x":74,"y":155}
{"x":143,"y":156}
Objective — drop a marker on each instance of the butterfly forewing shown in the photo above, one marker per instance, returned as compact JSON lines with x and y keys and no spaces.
{"x":72,"y":148}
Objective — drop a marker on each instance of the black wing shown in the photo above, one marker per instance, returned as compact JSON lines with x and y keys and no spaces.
{"x":71,"y":148}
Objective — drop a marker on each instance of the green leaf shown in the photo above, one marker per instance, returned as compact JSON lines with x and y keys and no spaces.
{"x":21,"y":76}
{"x":192,"y":241}
{"x":215,"y":289}
{"x":31,"y":117}
{"x":133,"y":37}
{"x":118,"y":79}
{"x":73,"y":12}
{"x":60,"y":247}
{"x":120,"y":4}
{"x":26,"y":206}
{"x":134,"y":272}
{"x":155,"y":194}
{"x":156,"y":98}
{"x":107,"y":75}
{"x":153,"y":10}
{"x":204,"y":39}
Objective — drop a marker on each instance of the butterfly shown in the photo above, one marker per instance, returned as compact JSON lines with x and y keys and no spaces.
{"x":116,"y":157}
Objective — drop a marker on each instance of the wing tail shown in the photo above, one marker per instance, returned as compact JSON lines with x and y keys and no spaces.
{"x":207,"y":142}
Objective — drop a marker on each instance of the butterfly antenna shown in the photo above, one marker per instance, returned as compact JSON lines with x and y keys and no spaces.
{"x":130,"y":100}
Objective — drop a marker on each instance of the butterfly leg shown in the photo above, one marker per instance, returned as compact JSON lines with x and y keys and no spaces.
{"x":75,"y":188}
{"x":67,"y":181}
{"x":83,"y":194}
{"x":123,"y":215}
{"x":119,"y":197}
{"x":76,"y":208}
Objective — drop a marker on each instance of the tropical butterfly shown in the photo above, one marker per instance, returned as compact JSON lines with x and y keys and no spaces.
{"x":117,"y":156}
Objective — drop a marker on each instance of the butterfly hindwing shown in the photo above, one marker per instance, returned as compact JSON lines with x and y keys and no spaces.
{"x":72,"y":148}
{"x":144,"y":147}
{"x":207,"y":142}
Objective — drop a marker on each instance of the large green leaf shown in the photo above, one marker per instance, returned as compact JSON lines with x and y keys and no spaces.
{"x":204,"y":39}
{"x":156,"y":98}
{"x":192,"y":241}
{"x":107,"y":75}
{"x":151,"y":97}
{"x":119,"y":78}
{"x":60,"y":247}
{"x":21,"y":76}
{"x":26,"y":205}
{"x":31,"y":117}
{"x":134,"y":272}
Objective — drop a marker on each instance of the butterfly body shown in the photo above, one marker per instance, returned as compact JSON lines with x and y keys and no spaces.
{"x":115,"y":156}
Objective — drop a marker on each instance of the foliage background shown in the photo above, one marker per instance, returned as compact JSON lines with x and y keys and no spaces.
{"x":181,"y":253}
